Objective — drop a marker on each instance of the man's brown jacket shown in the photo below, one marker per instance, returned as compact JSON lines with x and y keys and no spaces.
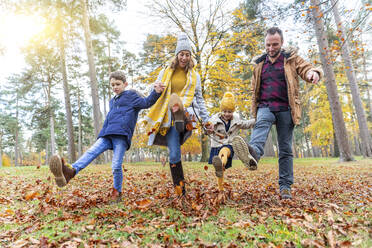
{"x":294,"y":66}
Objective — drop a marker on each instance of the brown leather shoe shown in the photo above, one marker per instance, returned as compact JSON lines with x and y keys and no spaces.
{"x":115,"y":196}
{"x":62,"y":173}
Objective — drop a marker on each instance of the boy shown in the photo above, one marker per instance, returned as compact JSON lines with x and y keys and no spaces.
{"x":225,"y":139}
{"x":116,"y":133}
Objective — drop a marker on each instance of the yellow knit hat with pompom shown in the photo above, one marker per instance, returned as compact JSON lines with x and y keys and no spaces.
{"x":228,"y":102}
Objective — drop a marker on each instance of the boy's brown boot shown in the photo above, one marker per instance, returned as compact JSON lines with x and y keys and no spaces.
{"x":62,"y":173}
{"x":245,"y":153}
{"x":115,"y":196}
{"x":176,"y":108}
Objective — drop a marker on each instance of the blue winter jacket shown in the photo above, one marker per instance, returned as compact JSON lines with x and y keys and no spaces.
{"x":123,"y":114}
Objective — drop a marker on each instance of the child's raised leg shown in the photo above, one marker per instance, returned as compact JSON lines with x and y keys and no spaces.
{"x":219,"y":163}
{"x":63,"y":173}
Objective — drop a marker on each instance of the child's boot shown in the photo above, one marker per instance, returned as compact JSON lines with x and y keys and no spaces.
{"x":219,"y":163}
{"x":62,"y":173}
{"x":115,"y":196}
{"x":245,"y":153}
{"x":176,"y":108}
{"x":177,"y":178}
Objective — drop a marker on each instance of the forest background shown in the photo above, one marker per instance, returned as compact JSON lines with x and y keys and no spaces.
{"x":58,"y":98}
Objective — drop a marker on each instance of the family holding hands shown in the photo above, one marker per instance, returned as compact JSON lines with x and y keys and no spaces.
{"x":177,"y":97}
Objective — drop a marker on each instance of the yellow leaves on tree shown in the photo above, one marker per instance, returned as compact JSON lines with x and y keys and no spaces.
{"x":192,"y":145}
{"x":6,"y":161}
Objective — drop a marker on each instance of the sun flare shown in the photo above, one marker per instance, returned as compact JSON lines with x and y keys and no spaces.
{"x":17,"y":30}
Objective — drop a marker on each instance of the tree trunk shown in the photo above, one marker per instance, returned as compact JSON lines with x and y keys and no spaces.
{"x":92,"y":70}
{"x":331,"y":86}
{"x":51,"y":122}
{"x":355,"y":93}
{"x":70,"y":128}
{"x":315,"y":151}
{"x":369,"y":100}
{"x":47,"y":152}
{"x":269,"y":146}
{"x":39,"y":157}
{"x":205,"y":148}
{"x":1,"y":150}
{"x":80,"y":145}
{"x":331,"y":150}
{"x":16,"y":135}
{"x":356,"y":143}
{"x":294,"y":148}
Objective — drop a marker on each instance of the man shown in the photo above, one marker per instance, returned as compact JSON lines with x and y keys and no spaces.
{"x":276,"y":101}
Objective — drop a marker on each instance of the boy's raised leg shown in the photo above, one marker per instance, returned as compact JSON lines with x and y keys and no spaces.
{"x":62,"y":173}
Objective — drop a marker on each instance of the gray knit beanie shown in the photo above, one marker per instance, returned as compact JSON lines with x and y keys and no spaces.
{"x":183,"y":43}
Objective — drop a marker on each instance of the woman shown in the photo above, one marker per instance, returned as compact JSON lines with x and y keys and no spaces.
{"x":168,"y":124}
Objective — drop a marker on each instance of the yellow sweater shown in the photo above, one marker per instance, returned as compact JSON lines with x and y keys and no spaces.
{"x":178,"y":81}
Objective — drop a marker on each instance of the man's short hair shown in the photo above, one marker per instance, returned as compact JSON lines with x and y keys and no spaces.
{"x":118,"y":75}
{"x":275,"y":30}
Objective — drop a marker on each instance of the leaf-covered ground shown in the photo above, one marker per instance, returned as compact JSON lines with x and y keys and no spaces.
{"x":331,"y":207}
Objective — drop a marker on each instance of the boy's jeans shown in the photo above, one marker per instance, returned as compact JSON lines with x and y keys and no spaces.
{"x":284,"y":128}
{"x":119,"y":146}
{"x":174,"y":145}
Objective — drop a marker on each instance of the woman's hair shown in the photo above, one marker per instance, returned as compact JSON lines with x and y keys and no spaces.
{"x":189,"y":66}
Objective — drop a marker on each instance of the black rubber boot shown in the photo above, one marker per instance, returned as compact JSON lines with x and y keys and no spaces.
{"x":178,"y":178}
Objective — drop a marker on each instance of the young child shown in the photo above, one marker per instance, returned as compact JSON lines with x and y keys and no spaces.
{"x":225,"y":139}
{"x":116,"y":133}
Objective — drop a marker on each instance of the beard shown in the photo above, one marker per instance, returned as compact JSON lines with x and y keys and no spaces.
{"x":275,"y":54}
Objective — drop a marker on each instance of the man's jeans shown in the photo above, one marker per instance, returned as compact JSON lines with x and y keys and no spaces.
{"x":119,"y":146}
{"x":284,"y":128}
{"x":174,"y":145}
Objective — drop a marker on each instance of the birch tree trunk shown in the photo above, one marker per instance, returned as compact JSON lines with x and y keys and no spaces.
{"x":355,"y":93}
{"x":70,"y":128}
{"x":338,"y":120}
{"x":92,"y":70}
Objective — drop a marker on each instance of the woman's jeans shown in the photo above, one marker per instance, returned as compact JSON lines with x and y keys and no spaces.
{"x":284,"y":128}
{"x":119,"y":146}
{"x":174,"y":145}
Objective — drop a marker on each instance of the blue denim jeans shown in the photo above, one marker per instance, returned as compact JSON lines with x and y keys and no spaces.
{"x":119,"y":146}
{"x":284,"y":128}
{"x":174,"y":145}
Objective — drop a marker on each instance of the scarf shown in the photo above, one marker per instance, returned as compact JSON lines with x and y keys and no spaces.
{"x":158,"y":120}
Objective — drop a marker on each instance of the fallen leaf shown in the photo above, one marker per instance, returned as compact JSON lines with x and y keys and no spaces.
{"x":143,"y":203}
